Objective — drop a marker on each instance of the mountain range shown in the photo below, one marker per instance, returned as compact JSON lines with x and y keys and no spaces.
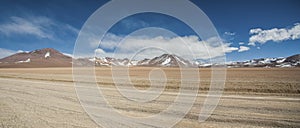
{"x":49,"y":57}
{"x":291,"y":61}
{"x":165,"y":60}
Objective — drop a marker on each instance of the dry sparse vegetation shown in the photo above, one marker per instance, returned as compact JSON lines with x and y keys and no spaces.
{"x":253,"y":97}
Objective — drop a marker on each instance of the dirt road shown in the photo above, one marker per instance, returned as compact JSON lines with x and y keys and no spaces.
{"x":38,"y":98}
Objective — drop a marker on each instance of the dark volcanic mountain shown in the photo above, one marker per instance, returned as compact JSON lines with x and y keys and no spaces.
{"x":47,"y":57}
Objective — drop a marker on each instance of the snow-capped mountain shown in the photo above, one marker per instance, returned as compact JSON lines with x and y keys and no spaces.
{"x":171,"y":60}
{"x":292,"y":61}
{"x":165,"y":60}
{"x":108,"y":61}
{"x":46,"y":57}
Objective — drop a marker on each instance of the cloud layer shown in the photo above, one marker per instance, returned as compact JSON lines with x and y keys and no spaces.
{"x":243,"y":49}
{"x":230,"y":33}
{"x":41,"y":27}
{"x":261,"y":36}
{"x":189,"y":47}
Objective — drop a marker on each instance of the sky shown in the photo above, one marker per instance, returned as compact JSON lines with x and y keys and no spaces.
{"x":249,"y":29}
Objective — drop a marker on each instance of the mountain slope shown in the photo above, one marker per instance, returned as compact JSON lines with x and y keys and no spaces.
{"x":46,"y":57}
{"x":293,"y":59}
{"x":165,"y":60}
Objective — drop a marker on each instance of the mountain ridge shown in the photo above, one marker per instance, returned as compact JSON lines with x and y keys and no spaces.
{"x":49,"y":57}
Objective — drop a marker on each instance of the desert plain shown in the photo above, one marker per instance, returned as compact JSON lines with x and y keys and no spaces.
{"x":252,"y":97}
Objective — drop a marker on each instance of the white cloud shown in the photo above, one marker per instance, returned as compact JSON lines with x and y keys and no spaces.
{"x":133,"y":23}
{"x":277,"y":35}
{"x":295,"y":32}
{"x":24,"y":26}
{"x":241,"y":43}
{"x":6,"y":52}
{"x":189,"y":47}
{"x":243,"y":49}
{"x":229,"y":49}
{"x":21,"y":51}
{"x":230,"y":33}
{"x":71,"y":28}
{"x":41,"y":27}
{"x":256,"y":30}
{"x":67,"y":54}
{"x":99,"y":51}
{"x":252,"y":44}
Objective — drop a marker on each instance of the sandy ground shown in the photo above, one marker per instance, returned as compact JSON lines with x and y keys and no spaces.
{"x":46,"y":97}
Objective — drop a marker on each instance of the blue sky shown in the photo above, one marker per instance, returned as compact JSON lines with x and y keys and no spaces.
{"x":33,"y":24}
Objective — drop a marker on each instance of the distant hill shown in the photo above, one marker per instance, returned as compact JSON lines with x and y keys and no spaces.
{"x":46,"y":57}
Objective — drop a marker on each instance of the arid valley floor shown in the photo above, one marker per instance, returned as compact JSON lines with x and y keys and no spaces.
{"x":252,"y":97}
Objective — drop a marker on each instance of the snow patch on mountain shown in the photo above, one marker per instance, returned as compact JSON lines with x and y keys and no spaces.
{"x":167,"y":61}
{"x":47,"y":55}
{"x":134,"y":62}
{"x":26,"y":61}
{"x":93,"y":59}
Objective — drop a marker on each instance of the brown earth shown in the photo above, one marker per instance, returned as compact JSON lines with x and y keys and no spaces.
{"x":37,"y":58}
{"x":253,"y":97}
